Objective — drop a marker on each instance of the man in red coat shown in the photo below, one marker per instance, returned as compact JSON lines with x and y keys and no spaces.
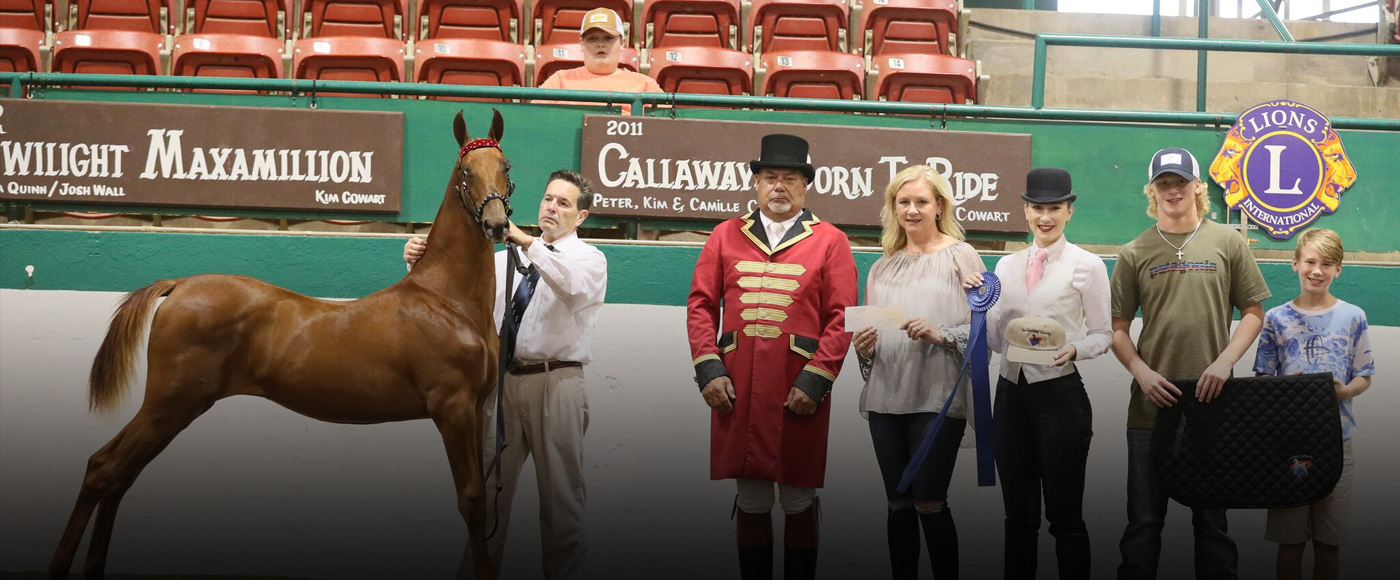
{"x":766,"y":319}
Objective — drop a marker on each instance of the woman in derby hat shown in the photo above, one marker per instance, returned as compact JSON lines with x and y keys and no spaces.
{"x":910,"y":372}
{"x":1042,"y":416}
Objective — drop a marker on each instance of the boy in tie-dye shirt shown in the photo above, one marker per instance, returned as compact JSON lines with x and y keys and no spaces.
{"x":1317,"y":333}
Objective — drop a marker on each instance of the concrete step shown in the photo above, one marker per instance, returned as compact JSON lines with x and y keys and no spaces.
{"x":1017,"y":57}
{"x":1172,"y":94}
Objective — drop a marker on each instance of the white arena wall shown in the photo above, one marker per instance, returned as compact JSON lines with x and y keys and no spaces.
{"x":254,"y":489}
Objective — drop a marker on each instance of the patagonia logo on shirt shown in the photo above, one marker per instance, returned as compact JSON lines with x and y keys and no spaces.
{"x":1182,"y":268}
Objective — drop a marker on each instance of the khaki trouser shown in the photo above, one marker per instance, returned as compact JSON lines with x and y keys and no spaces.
{"x":546,"y":416}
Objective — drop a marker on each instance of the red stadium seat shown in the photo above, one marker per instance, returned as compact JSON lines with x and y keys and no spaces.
{"x":702,"y":69}
{"x":483,"y":19}
{"x":120,"y":52}
{"x":797,"y":25}
{"x":348,"y":58}
{"x":690,"y":23}
{"x":372,"y":18}
{"x":138,"y":15}
{"x":254,"y":17}
{"x":554,"y":58}
{"x":19,"y":50}
{"x":226,"y":55}
{"x":813,"y":74}
{"x":925,"y":78}
{"x":558,"y":21}
{"x":468,"y":61}
{"x":26,"y":14}
{"x":921,"y":26}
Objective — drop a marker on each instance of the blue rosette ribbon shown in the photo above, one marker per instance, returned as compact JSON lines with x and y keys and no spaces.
{"x":980,"y":300}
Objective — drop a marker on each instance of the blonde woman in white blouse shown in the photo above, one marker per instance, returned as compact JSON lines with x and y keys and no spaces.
{"x":910,"y":372}
{"x":1042,"y":416}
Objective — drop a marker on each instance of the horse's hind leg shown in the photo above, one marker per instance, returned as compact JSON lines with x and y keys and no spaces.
{"x":88,"y":497}
{"x":459,"y":423}
{"x":111,"y":472}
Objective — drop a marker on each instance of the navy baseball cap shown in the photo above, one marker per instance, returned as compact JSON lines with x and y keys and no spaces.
{"x":1174,"y":160}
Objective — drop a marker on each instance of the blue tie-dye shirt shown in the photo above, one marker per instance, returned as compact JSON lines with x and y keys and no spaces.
{"x":1333,"y":341}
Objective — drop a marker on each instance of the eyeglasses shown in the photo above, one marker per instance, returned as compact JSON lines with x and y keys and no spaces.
{"x":790,"y":180}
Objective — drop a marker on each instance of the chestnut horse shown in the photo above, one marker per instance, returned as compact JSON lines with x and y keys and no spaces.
{"x":359,"y":362}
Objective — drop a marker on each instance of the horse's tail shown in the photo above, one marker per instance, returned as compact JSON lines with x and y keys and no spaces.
{"x":112,"y":369}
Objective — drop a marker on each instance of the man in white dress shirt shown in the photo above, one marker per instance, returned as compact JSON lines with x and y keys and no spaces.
{"x":546,"y":409}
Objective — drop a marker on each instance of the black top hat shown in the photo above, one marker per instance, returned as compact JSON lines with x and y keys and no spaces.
{"x":784,"y":152}
{"x":1048,"y":185}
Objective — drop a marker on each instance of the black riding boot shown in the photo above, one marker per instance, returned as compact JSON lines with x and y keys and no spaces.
{"x":902,"y":531}
{"x":942,"y":538}
{"x":800,"y":538}
{"x":755,"y":538}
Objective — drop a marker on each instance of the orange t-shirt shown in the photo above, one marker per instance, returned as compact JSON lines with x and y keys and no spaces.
{"x":621,"y":80}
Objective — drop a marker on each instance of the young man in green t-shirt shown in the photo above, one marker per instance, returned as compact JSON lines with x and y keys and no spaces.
{"x":1187,"y":274}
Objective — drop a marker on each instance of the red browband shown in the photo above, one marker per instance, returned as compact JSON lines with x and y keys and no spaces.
{"x":478,"y":144}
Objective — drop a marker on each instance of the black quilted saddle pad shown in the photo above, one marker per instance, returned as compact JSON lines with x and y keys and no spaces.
{"x":1264,"y":442}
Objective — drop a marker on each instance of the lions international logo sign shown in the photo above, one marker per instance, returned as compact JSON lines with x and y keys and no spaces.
{"x":1283,"y":166}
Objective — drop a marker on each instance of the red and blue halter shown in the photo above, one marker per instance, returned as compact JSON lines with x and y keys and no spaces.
{"x":462,"y":185}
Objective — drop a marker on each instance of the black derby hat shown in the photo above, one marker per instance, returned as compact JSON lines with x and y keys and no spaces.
{"x":784,"y":152}
{"x":1048,"y":185}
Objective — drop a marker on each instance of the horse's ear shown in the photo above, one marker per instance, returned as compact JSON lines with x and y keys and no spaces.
{"x":498,"y":127}
{"x":459,"y":128}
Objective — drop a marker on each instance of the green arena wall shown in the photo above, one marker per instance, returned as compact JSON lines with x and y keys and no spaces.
{"x":1107,"y":160}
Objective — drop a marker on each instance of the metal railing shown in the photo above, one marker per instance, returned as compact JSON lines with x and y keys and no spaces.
{"x":305,"y":93}
{"x":1267,"y":11}
{"x":1044,"y":41}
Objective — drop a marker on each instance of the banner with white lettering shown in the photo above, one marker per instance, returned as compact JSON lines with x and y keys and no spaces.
{"x":699,"y":169}
{"x":200,"y":156}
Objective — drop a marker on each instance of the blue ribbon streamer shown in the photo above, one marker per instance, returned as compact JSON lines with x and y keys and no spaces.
{"x":980,"y":300}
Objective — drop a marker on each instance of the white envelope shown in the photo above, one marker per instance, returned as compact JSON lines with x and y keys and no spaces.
{"x":880,"y":317}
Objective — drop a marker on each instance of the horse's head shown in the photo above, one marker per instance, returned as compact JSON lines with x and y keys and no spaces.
{"x":482,"y":177}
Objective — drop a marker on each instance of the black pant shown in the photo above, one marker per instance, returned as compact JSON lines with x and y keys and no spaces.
{"x":1042,"y":441}
{"x":897,"y":437}
{"x":1217,"y":557}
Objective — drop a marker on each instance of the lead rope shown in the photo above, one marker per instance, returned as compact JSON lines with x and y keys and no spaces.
{"x":507,"y":352}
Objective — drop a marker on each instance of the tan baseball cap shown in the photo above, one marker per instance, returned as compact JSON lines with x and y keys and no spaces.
{"x":1034,"y":340}
{"x":603,"y":19}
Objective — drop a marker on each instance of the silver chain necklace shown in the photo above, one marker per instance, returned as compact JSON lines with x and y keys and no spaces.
{"x":1180,"y":250}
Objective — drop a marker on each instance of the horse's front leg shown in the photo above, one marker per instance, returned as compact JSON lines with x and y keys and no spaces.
{"x":458,"y":419}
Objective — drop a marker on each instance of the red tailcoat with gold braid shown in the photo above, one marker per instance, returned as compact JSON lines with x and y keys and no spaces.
{"x":784,"y":312}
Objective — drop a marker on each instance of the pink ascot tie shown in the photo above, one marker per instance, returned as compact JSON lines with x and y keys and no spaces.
{"x":1036,"y":270}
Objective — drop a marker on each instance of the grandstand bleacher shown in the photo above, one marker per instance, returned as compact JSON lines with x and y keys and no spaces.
{"x":659,"y":32}
{"x":706,"y":46}
{"x":469,"y":61}
{"x":226,"y":55}
{"x":247,"y":17}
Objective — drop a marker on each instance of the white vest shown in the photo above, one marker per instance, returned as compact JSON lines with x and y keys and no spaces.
{"x":1054,"y":297}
